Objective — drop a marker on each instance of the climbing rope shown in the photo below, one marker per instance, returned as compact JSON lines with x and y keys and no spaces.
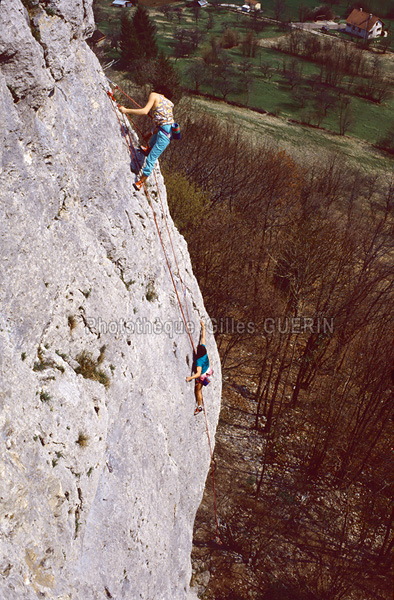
{"x":127,"y":135}
{"x":158,"y":192}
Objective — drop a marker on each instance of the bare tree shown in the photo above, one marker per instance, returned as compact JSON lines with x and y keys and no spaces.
{"x":345,"y":115}
{"x":279,"y":9}
{"x":196,"y":72}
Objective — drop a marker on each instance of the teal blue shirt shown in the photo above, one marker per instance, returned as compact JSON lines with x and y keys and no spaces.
{"x":203,"y":362}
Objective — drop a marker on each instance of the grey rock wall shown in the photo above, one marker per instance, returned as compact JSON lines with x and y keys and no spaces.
{"x":102,"y":469}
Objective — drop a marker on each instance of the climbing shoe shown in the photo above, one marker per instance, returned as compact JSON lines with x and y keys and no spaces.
{"x":198,"y":410}
{"x":144,"y":150}
{"x":138,"y":185}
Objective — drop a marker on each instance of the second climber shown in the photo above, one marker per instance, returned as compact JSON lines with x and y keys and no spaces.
{"x":203,"y":370}
{"x":161,"y":134}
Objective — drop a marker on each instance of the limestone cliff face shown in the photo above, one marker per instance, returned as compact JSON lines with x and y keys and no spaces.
{"x":102,"y":464}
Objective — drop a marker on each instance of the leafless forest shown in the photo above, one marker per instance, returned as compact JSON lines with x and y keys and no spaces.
{"x":295,"y":260}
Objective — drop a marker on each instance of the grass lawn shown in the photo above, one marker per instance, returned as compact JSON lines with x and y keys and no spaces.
{"x":221,"y":19}
{"x":291,"y":10}
{"x":370,"y":120}
{"x":300,"y":141}
{"x":108,"y":16}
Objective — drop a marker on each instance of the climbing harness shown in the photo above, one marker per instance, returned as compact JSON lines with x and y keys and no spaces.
{"x":168,"y":135}
{"x":126,"y":133}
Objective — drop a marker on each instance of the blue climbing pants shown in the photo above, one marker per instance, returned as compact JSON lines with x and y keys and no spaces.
{"x":158,"y":142}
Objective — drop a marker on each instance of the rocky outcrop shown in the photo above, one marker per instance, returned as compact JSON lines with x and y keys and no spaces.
{"x":102,"y":463}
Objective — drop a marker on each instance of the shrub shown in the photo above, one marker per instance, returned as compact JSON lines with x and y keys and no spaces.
{"x":151,"y":294}
{"x":44,"y":396}
{"x":229,"y":39}
{"x":185,"y":200}
{"x":72,"y":322}
{"x":83,"y":440}
{"x":88,"y":368}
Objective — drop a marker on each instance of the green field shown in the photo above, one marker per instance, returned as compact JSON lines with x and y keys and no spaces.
{"x":301,"y":142}
{"x":369,"y":120}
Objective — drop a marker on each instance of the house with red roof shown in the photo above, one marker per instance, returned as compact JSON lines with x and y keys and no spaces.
{"x":364,"y":24}
{"x":253,"y":4}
